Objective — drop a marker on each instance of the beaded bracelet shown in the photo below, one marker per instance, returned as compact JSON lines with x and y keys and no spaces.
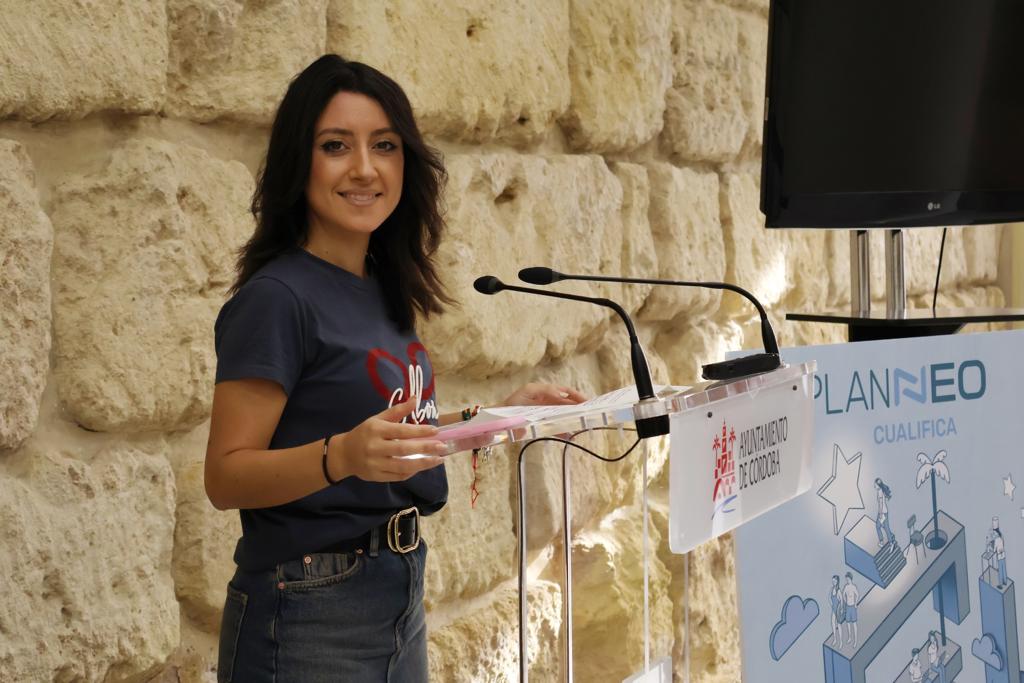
{"x":323,"y":463}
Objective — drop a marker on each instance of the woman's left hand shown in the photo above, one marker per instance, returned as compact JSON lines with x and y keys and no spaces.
{"x":538,"y":394}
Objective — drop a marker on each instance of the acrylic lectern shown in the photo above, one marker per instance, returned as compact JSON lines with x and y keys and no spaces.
{"x":737,"y":449}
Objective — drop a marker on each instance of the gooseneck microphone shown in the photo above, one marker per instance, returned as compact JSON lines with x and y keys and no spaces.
{"x":730,"y":369}
{"x":645,"y":427}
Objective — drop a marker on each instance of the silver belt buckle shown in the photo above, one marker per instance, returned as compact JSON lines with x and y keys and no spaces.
{"x":395,"y":533}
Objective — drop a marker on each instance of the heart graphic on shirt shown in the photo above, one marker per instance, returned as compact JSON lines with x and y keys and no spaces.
{"x":410,"y":371}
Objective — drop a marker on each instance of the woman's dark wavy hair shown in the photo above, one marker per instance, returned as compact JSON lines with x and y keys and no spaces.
{"x":402,"y":248}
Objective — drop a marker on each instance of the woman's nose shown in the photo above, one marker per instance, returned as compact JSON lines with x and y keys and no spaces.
{"x":362,"y":164}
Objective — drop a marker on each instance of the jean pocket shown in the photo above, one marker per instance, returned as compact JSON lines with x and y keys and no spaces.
{"x":230,"y":628}
{"x":319,"y":570}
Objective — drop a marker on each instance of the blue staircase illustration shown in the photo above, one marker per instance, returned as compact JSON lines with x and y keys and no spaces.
{"x":879,"y":565}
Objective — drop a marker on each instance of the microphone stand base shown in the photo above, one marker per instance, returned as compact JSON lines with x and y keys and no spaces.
{"x":741,"y":367}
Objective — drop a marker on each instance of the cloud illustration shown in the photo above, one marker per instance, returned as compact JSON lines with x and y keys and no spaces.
{"x":984,"y":648}
{"x":797,"y":615}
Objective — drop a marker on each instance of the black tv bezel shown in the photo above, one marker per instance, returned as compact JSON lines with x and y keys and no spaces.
{"x":856,"y":210}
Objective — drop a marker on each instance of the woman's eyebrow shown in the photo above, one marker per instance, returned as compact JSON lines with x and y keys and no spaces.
{"x":345,"y":131}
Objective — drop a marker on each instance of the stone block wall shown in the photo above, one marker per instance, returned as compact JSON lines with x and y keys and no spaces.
{"x":591,"y":135}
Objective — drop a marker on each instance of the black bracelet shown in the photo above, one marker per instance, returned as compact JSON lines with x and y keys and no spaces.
{"x":327,"y":475}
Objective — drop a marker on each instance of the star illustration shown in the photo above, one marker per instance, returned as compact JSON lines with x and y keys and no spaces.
{"x":842,"y":490}
{"x":1008,"y":486}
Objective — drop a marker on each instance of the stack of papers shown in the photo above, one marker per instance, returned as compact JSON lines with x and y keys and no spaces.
{"x":613,"y":401}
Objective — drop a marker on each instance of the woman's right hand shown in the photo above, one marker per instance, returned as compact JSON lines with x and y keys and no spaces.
{"x":376,"y":449}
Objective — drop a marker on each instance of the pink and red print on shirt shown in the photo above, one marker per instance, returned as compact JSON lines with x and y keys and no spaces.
{"x":412,"y":371}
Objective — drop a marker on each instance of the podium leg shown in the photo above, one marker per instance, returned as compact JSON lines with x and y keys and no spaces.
{"x":567,"y":546}
{"x":523,"y":617}
{"x":646,"y":543}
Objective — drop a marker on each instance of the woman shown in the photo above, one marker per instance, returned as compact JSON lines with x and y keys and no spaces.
{"x":882,"y":519}
{"x":836,"y":600}
{"x":324,"y":391}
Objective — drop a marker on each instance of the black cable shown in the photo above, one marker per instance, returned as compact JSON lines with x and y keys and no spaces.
{"x":942,"y":246}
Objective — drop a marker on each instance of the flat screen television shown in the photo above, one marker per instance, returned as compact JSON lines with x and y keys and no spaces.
{"x":894,"y":113}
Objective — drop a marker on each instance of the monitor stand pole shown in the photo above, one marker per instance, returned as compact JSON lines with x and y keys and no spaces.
{"x":860,"y":273}
{"x":895,"y":286}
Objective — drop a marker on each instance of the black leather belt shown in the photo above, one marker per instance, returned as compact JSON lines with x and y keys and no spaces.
{"x":401,"y":531}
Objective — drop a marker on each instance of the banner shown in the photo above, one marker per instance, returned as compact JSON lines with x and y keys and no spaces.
{"x":899,"y":564}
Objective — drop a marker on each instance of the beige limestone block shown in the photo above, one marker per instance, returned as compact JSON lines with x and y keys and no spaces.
{"x":836,"y":263}
{"x":234,"y":58}
{"x":508,"y":211}
{"x":962,"y":297}
{"x":608,"y":597}
{"x":474,"y":70}
{"x":143,"y":255}
{"x":620,"y":67}
{"x":981,"y":253}
{"x":26,"y":242}
{"x":204,"y":537}
{"x":687,"y":231}
{"x":777,"y":266}
{"x":921,"y":258}
{"x":689,"y":345}
{"x":799,"y":333}
{"x":755,"y":256}
{"x":753,"y":58}
{"x":480,"y":641}
{"x":708,"y":115}
{"x":760,"y":6}
{"x":87,"y":529}
{"x":639,"y":258}
{"x":62,"y":59}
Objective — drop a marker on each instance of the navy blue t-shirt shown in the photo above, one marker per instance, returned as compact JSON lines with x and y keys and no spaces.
{"x":324,"y":335}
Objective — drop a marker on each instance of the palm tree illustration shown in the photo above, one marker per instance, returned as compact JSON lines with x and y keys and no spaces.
{"x":929,"y":469}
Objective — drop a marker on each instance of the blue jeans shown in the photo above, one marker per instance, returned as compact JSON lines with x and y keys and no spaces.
{"x":327,"y":617}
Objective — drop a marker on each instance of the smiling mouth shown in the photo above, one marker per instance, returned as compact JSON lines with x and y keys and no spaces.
{"x":360,"y":198}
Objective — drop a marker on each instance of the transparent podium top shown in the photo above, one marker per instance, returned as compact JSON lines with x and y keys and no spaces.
{"x":496,"y":426}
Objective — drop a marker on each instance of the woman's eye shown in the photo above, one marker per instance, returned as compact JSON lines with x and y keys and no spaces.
{"x":332,"y":146}
{"x":387,"y":146}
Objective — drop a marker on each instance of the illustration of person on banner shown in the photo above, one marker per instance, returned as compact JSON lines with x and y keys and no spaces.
{"x":882,"y":518}
{"x":935,"y":659}
{"x":915,"y":671}
{"x":998,"y":546}
{"x":850,"y":597}
{"x":838,"y":610}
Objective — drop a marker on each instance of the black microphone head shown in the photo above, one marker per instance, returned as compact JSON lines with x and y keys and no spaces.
{"x":539,"y":276}
{"x":488,"y":284}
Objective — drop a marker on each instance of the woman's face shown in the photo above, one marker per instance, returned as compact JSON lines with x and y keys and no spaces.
{"x":355,"y":178}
